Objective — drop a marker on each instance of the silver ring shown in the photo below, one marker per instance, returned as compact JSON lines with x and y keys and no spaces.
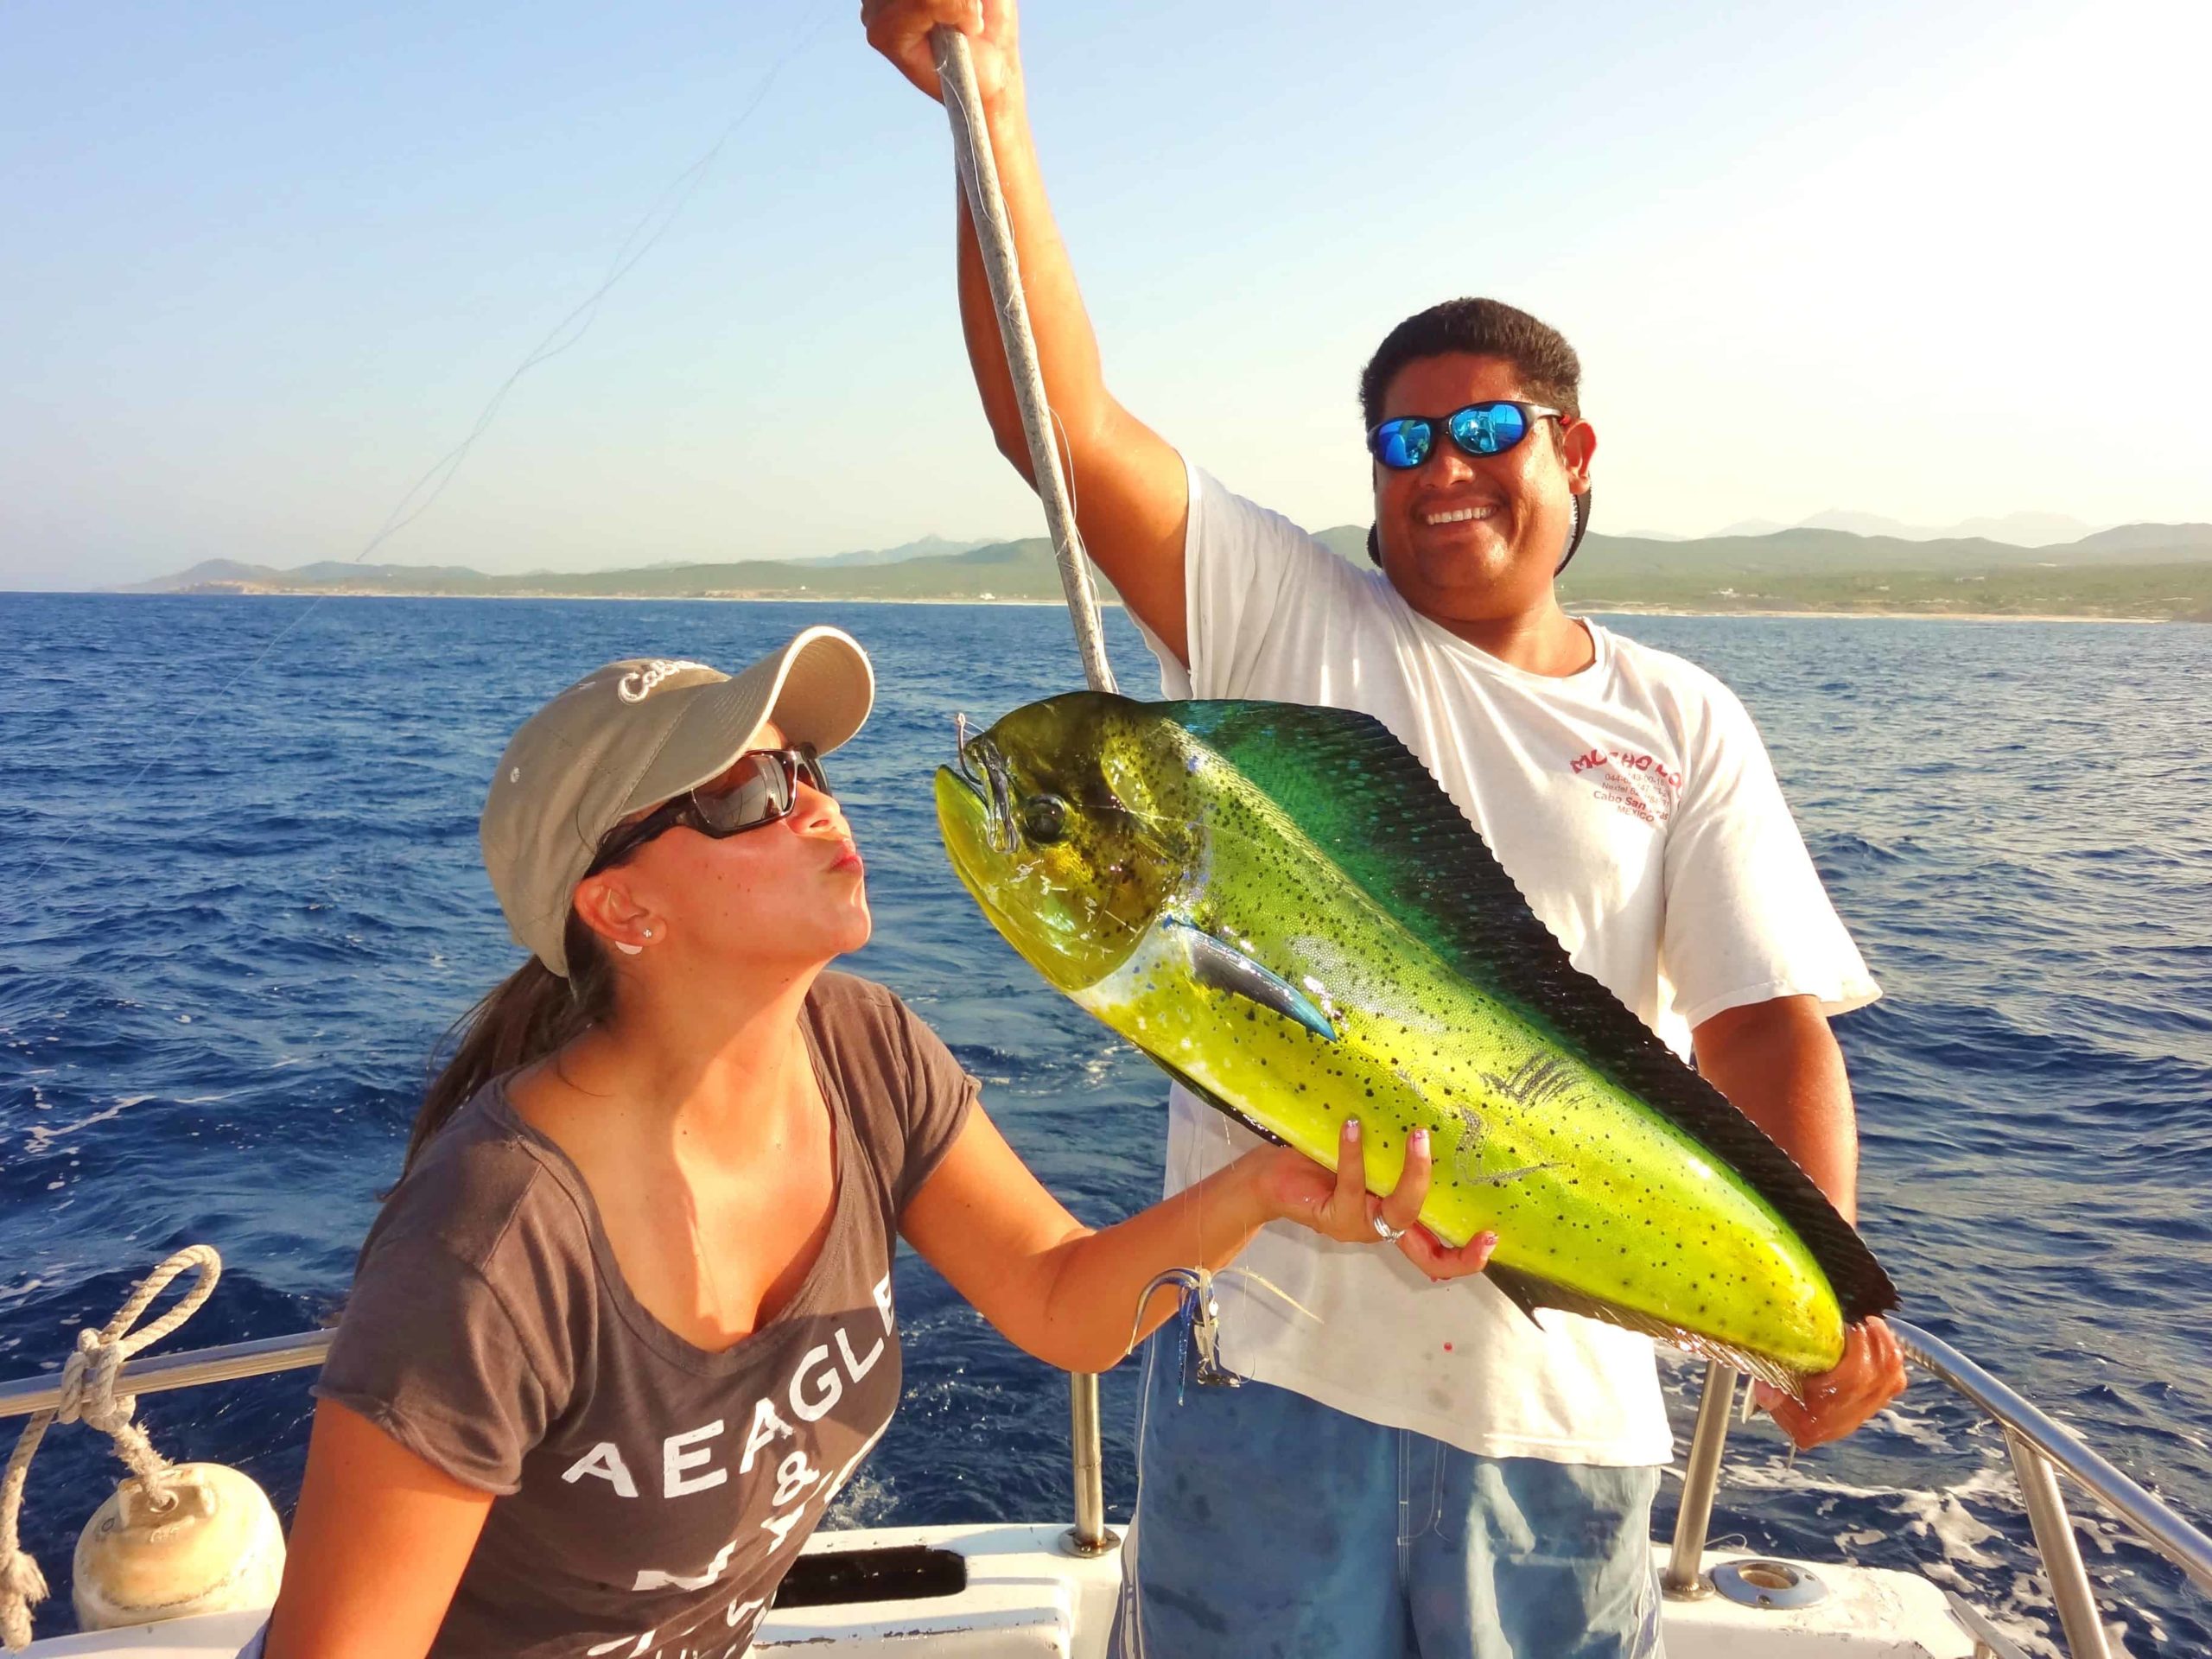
{"x":1385,"y":1230}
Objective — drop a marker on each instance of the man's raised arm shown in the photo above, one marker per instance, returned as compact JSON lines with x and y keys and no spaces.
{"x":1132,"y":498}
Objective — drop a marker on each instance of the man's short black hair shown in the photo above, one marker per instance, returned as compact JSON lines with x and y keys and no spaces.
{"x":1543,"y":361}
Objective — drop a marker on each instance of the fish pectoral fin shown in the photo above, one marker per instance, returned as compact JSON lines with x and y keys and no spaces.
{"x":1221,"y":966}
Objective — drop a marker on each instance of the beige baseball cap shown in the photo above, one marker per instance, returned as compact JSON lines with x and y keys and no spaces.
{"x":635,"y":733}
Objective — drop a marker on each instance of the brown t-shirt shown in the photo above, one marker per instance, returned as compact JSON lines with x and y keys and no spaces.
{"x":650,"y":1494}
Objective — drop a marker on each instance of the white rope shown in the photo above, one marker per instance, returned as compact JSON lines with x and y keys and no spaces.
{"x":88,"y":1396}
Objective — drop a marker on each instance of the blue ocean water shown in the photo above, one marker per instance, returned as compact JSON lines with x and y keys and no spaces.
{"x":241,"y":887}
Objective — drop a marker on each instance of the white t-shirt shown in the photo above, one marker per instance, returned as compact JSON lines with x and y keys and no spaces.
{"x":1634,"y":804}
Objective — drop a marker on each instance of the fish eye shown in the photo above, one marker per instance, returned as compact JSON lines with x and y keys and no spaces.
{"x":1044,"y":819}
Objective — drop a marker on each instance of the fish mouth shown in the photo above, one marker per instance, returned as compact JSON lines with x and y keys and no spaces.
{"x":1050,"y":927}
{"x":993,"y":788}
{"x":972,"y":817}
{"x":1057,"y":911}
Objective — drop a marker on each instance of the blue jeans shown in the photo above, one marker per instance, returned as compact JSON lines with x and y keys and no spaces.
{"x":1272,"y":1527}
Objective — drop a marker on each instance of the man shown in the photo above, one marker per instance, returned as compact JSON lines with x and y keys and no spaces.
{"x":1414,"y":1468}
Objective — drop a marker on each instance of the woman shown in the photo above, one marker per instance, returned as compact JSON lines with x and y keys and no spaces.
{"x":625,"y":1326}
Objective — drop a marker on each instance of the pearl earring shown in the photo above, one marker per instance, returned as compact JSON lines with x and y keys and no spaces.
{"x":649,"y":932}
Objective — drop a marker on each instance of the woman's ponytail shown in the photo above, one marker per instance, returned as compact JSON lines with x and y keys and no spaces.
{"x":525,"y":1017}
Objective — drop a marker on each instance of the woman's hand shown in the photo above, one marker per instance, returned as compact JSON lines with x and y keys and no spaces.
{"x":1293,"y":1187}
{"x":900,"y":30}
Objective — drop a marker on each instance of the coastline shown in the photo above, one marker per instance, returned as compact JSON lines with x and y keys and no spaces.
{"x":1105,"y":599}
{"x":1624,"y":609}
{"x":1883,"y":616}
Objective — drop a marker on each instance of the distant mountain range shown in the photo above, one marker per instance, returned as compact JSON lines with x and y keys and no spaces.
{"x":2020,"y":528}
{"x":928,"y":546}
{"x":1806,"y":550}
{"x":1021,"y":569}
{"x":2145,"y":570}
{"x":2161,"y":572}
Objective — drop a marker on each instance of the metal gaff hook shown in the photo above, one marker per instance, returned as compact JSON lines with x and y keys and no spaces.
{"x":960,"y":750}
{"x":994,"y":785}
{"x":1201,"y":1313}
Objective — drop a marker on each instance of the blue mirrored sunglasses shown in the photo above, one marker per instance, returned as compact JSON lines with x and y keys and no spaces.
{"x":1479,"y":430}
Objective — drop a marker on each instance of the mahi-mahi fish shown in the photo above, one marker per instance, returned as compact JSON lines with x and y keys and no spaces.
{"x":1282,"y":908}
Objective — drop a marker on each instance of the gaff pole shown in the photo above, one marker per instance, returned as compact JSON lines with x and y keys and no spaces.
{"x":979,"y":180}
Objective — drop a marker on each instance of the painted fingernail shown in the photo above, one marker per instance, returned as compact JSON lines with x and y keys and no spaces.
{"x":1419,"y":1142}
{"x":1351,"y":1129}
{"x":1488,"y":1241}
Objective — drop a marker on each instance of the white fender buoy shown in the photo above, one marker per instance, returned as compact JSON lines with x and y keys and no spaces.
{"x":203,"y":1539}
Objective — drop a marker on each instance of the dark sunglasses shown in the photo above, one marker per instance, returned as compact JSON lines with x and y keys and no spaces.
{"x":761,"y":789}
{"x":1479,"y":430}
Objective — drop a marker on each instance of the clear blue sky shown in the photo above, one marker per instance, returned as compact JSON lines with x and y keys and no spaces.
{"x":264,"y":265}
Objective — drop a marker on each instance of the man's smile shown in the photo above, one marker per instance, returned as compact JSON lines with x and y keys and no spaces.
{"x":1458,"y":515}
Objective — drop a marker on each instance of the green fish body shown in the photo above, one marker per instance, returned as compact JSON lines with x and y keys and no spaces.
{"x":1282,"y":908}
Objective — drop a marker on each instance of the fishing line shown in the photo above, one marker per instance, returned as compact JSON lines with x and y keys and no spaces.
{"x":1067,"y":458}
{"x":1133,"y":1597}
{"x":643,"y":237}
{"x":1237,"y":1270}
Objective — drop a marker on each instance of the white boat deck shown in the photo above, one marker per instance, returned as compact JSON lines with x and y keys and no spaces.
{"x":1024,"y":1597}
{"x":980,"y":1591}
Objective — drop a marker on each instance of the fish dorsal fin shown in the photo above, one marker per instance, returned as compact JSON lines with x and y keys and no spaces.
{"x":1368,"y":802}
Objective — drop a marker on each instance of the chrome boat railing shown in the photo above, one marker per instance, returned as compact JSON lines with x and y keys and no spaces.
{"x":1090,"y":1536}
{"x":162,"y":1372}
{"x":233,"y":1361}
{"x":2038,"y":1447}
